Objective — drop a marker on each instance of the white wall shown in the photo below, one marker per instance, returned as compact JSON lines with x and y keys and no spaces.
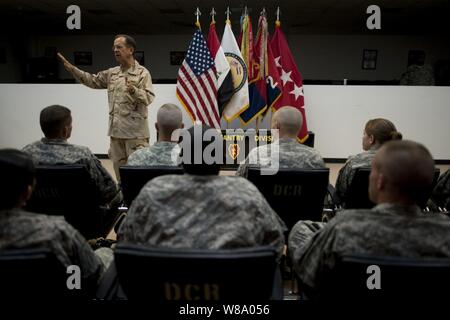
{"x":322,"y":57}
{"x":336,"y":114}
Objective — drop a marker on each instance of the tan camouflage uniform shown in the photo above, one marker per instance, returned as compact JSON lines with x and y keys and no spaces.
{"x":160,"y":154}
{"x":20,"y":229}
{"x":58,"y":151}
{"x":347,"y":172}
{"x":385,"y":230}
{"x":202,"y":212}
{"x":128,"y":114}
{"x":292,"y":154}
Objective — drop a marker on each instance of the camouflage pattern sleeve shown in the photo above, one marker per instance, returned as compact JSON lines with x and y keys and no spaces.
{"x":252,"y":158}
{"x":343,"y":181}
{"x":105,"y":184}
{"x":347,"y":172}
{"x":312,"y":258}
{"x":94,"y":81}
{"x":441,"y":193}
{"x":144,"y":94}
{"x":82,"y":255}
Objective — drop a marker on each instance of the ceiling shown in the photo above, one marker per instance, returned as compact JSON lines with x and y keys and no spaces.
{"x":414,"y":17}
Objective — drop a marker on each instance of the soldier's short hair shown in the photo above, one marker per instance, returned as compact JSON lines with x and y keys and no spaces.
{"x":18,"y":172}
{"x":129,"y":41}
{"x":53,"y":119}
{"x":408,"y":167}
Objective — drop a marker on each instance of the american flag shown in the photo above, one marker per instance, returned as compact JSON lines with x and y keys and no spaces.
{"x":197,"y":83}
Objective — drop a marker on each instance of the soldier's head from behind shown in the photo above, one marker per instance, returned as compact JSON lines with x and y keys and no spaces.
{"x":56,"y":122}
{"x":288,"y":120}
{"x":378,"y":131}
{"x":402,"y":172}
{"x":123,"y":48}
{"x":168,"y":119}
{"x":18,"y":173}
{"x":200,"y":149}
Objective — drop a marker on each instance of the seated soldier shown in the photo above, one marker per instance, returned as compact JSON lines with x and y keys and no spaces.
{"x":376,"y":132}
{"x":168,"y":119}
{"x":291,"y":153}
{"x":20,"y":229}
{"x":440,"y":198}
{"x":201,"y":209}
{"x":402,"y":172}
{"x":56,"y":124}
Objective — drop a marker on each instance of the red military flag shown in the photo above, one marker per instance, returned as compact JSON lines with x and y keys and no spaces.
{"x":265,"y":85}
{"x":291,"y":79}
{"x":197,"y":83}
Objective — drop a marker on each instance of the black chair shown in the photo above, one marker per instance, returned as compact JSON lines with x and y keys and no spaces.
{"x":294,"y":194}
{"x":133,"y":178}
{"x":358,"y":191}
{"x":70,"y":191}
{"x":399,"y":278}
{"x":31,"y":274}
{"x":165,"y":274}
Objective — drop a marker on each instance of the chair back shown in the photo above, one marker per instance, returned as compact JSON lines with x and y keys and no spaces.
{"x":156,"y":274}
{"x":133,"y":178}
{"x":358,"y":192}
{"x":294,"y":194}
{"x":369,"y":277}
{"x":31,"y":274}
{"x":70,"y":191}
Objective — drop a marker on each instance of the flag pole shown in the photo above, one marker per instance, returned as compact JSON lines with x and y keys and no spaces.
{"x":213,"y":14}
{"x":198,"y":14}
{"x":278,"y":22}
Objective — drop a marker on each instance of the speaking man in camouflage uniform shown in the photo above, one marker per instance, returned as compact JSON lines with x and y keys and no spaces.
{"x":130,"y":91}
{"x":53,"y":149}
{"x":20,"y":229}
{"x":201,"y":209}
{"x":402,"y":171}
{"x":168,"y":119}
{"x":376,"y":132}
{"x":291,"y":154}
{"x":440,"y":198}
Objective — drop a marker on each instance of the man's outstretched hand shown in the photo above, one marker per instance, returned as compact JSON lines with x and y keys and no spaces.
{"x":66,"y":63}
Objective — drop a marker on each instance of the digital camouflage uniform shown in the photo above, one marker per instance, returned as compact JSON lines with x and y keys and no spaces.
{"x":128,"y":114}
{"x":58,"y":152}
{"x":417,"y":75}
{"x":440,"y":197}
{"x":291,"y":153}
{"x":385,"y":230}
{"x":201,"y":212}
{"x":347,"y":172}
{"x":20,"y":229}
{"x":160,"y":154}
